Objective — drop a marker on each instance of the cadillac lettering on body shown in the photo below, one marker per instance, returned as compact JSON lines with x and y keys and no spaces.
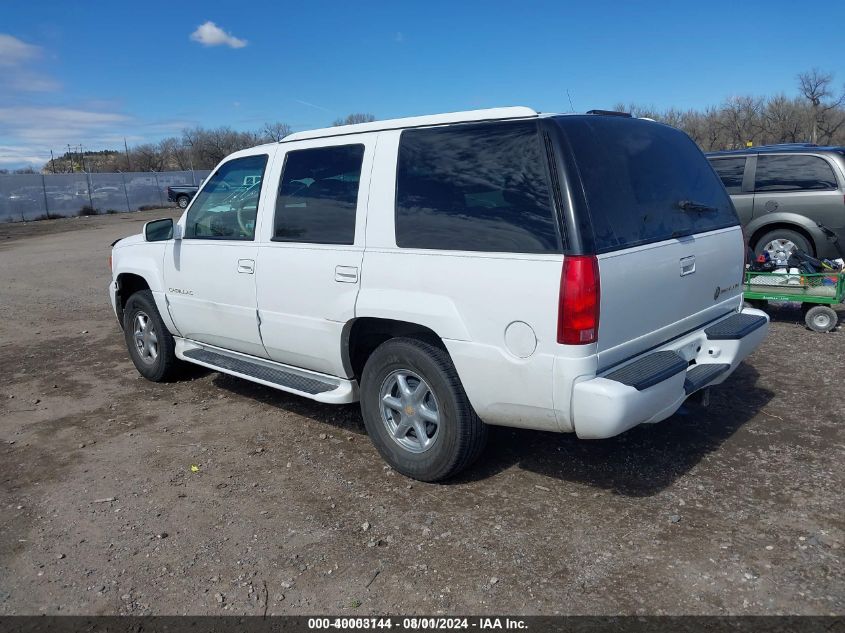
{"x":719,"y":291}
{"x":179,"y":291}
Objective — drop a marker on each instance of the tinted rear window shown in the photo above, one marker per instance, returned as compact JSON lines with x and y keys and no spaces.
{"x":731,"y":171}
{"x":635,"y":173}
{"x":793,"y":173}
{"x":474,"y":188}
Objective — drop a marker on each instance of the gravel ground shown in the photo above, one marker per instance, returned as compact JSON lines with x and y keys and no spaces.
{"x":214,"y":495}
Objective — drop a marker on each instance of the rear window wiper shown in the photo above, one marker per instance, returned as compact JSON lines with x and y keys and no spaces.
{"x":691,"y":205}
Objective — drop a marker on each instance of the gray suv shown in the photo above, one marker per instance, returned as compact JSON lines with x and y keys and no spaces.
{"x":782,"y":192}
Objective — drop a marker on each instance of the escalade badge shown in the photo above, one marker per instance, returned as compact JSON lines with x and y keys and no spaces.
{"x":179,"y":291}
{"x":720,"y":291}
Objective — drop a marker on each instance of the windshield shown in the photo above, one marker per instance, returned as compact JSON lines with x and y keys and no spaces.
{"x":644,"y":182}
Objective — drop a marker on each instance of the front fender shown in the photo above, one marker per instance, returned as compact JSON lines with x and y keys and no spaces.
{"x":146,"y":261}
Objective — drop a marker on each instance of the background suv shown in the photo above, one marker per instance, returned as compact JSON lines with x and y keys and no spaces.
{"x":781,"y":192}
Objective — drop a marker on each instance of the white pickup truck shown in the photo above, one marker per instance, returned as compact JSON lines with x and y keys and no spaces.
{"x":577,"y":273}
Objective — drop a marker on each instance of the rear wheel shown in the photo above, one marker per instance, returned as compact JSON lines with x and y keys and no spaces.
{"x":183,"y":201}
{"x":781,"y":243}
{"x":821,"y":318}
{"x":416,"y":411}
{"x":150,"y":344}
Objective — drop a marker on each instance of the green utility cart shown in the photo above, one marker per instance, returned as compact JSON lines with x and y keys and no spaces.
{"x":816,"y":293}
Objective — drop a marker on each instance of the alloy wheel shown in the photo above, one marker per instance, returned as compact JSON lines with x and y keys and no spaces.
{"x":409,"y":411}
{"x":145,"y":337}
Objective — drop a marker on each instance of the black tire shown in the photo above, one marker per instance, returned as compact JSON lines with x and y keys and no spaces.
{"x":461,"y":435}
{"x":784,"y":234}
{"x":164,"y":366}
{"x":821,"y":318}
{"x":183,"y":201}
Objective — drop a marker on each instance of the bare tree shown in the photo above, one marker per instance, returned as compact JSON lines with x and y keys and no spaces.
{"x":783,"y":120}
{"x":275,"y":131}
{"x":816,"y":87}
{"x":358,"y":117}
{"x":741,"y":120}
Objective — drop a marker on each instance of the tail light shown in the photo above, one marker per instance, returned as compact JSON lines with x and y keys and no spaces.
{"x":578,"y":303}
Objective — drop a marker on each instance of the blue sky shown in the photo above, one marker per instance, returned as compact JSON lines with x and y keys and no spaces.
{"x":96,"y":72}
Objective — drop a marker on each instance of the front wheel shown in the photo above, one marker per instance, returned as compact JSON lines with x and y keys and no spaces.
{"x":416,"y":411}
{"x":821,"y":318}
{"x":151,"y":346}
{"x":183,"y":201}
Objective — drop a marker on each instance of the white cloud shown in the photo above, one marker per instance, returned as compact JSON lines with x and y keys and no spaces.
{"x":17,"y":76}
{"x":209,"y":34}
{"x":27,"y":133}
{"x":18,"y":155}
{"x":14,"y":52}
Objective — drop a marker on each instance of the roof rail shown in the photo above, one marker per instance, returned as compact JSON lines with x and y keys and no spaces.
{"x":610,"y":113}
{"x":783,"y":145}
{"x":490,"y":114}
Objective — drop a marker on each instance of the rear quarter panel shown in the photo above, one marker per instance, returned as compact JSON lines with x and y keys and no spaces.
{"x":470,"y":300}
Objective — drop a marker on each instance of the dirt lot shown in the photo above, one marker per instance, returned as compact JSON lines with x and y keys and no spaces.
{"x":733,"y":509}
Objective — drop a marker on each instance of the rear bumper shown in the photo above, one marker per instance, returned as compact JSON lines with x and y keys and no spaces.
{"x":653,"y":386}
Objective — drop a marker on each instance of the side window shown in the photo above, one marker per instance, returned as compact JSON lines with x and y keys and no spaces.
{"x":793,"y":173}
{"x":731,"y":171}
{"x":227,"y":206}
{"x":474,"y":188}
{"x":318,"y":195}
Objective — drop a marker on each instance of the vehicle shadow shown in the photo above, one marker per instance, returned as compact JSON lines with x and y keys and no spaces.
{"x":638,"y":463}
{"x":790,"y":312}
{"x":346,"y":417}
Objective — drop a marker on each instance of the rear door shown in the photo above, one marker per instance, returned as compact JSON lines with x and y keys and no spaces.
{"x":309,"y":264}
{"x":668,"y":241}
{"x":795,"y":183}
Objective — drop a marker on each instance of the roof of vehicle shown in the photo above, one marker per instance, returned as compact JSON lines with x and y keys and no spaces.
{"x":779,"y":148}
{"x":516,"y":112}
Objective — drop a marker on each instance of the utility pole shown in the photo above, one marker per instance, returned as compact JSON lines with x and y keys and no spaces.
{"x":52,"y":162}
{"x":126,"y":147}
{"x":70,"y":157}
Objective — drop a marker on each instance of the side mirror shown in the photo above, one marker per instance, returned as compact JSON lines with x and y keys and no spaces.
{"x":158,"y":230}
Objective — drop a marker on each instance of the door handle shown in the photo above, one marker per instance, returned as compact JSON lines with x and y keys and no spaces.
{"x":246,"y":266}
{"x":687,"y":265}
{"x":346,"y":274}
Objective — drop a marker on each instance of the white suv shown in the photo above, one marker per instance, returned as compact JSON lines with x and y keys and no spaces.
{"x":576,"y":273}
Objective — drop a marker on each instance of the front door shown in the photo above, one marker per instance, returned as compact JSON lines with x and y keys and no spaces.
{"x":210,"y":273}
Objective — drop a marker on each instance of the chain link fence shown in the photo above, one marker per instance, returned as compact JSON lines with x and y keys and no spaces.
{"x":25,"y":197}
